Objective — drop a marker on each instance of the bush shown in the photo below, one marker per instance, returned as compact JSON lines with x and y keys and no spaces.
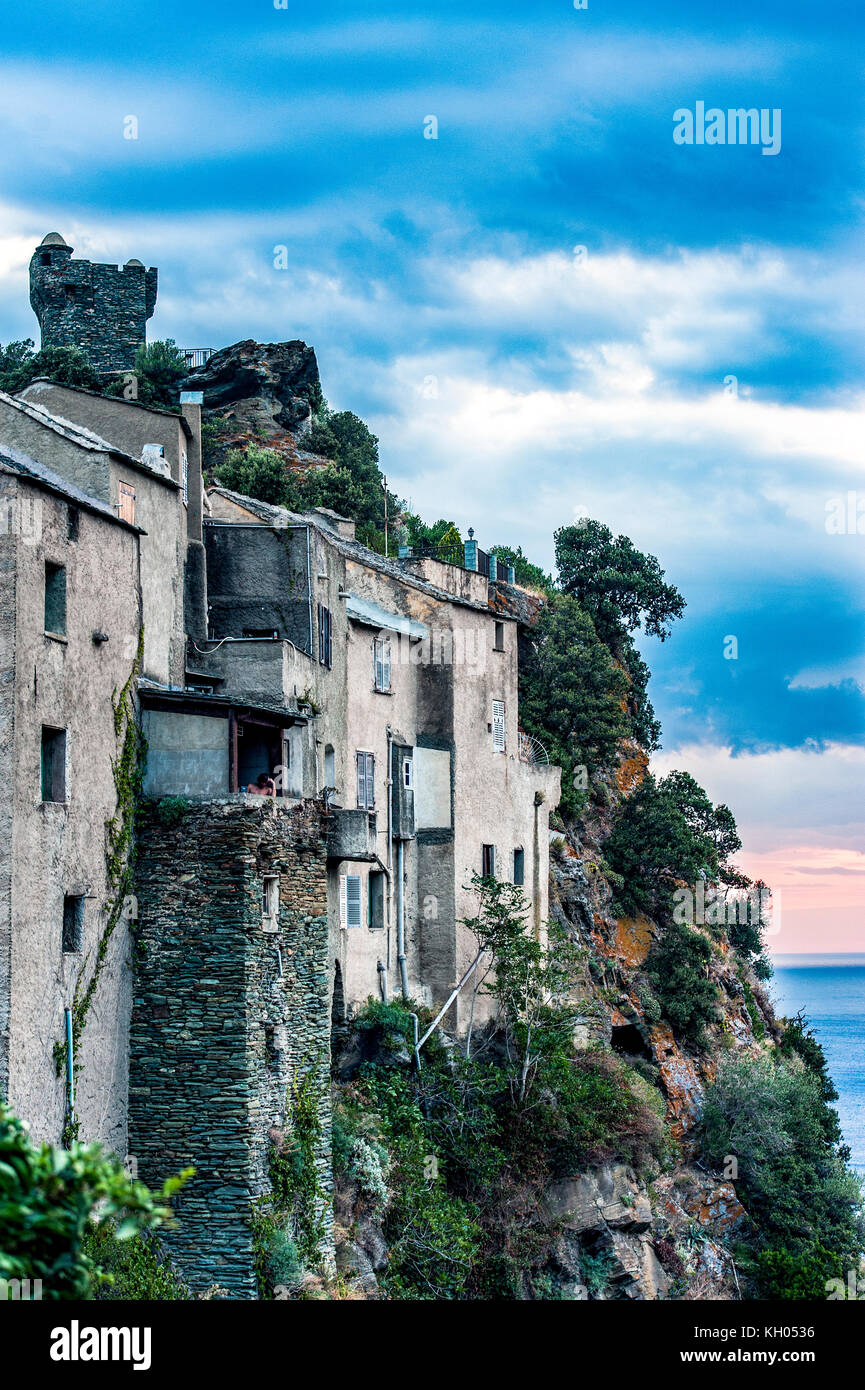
{"x":676,"y":967}
{"x":49,"y":1200}
{"x":133,"y":1269}
{"x":771,"y":1114}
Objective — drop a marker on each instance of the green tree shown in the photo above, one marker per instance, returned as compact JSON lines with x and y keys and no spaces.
{"x":572,"y":695}
{"x":160,"y":368}
{"x":526,"y":573}
{"x":260,"y":473}
{"x":678,"y":970}
{"x":69,"y":366}
{"x":51,"y":1197}
{"x":531,"y":982}
{"x":619,"y":586}
{"x":770,"y":1114}
{"x":669,"y":830}
{"x":354,"y":485}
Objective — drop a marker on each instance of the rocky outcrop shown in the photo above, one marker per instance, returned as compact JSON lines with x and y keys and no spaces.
{"x":260,"y":393}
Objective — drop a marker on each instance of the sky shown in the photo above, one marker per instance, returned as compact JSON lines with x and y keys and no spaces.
{"x":543,"y":305}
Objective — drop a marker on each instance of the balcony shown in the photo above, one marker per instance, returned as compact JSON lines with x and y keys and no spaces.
{"x":351,"y":836}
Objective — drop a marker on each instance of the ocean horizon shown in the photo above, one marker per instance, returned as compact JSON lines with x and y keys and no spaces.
{"x":830,"y":987}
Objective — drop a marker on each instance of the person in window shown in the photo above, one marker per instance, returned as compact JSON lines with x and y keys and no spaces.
{"x":263,"y":785}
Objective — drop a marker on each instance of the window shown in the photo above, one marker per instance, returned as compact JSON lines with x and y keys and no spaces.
{"x":519,"y":867}
{"x":270,"y":902}
{"x":488,"y":861}
{"x":376,"y":900}
{"x":53,"y":764}
{"x":329,"y":766}
{"x":408,"y":774}
{"x":349,"y":900}
{"x":499,"y":639}
{"x":184,"y":476}
{"x":55,"y":599}
{"x":45,"y":258}
{"x":366,"y":780}
{"x":381,"y":662}
{"x":70,"y":291}
{"x":73,"y":523}
{"x":73,"y":924}
{"x":126,"y":503}
{"x":498,"y":726}
{"x":325,"y":636}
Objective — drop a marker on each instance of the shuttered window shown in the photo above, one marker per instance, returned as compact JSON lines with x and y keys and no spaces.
{"x":350,"y":900}
{"x":498,"y":726}
{"x":366,"y":780}
{"x":126,"y":503}
{"x":381,"y":662}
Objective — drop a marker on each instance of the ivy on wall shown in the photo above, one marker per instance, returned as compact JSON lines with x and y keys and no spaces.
{"x":128,"y":775}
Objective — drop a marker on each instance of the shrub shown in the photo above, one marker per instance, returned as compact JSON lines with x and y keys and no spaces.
{"x":51,"y":1197}
{"x":133,"y":1269}
{"x":676,"y":967}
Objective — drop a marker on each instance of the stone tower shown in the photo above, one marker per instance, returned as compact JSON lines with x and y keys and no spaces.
{"x":102,"y":309}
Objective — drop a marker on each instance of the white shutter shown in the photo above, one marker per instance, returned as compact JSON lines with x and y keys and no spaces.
{"x":385,"y":665}
{"x":498,"y":726}
{"x":353,"y":900}
{"x":343,"y":902}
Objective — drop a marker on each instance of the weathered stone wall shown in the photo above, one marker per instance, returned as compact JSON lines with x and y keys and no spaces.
{"x":226,"y":1016}
{"x":102,"y":309}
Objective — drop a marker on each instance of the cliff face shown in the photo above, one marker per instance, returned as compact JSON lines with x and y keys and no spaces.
{"x":263,"y":394}
{"x":606,"y":1230}
{"x":688,"y":1209}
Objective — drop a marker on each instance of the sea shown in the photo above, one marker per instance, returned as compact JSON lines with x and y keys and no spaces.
{"x":831,"y":990}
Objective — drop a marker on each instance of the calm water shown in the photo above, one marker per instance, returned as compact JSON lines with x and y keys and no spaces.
{"x":831,"y":989}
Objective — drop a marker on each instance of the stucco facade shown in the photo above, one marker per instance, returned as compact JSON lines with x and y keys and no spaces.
{"x":54,"y":848}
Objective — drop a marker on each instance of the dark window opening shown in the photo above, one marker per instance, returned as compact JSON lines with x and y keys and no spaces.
{"x":55,"y":599}
{"x":499,"y":640}
{"x":325,"y":636}
{"x":73,"y":924}
{"x":73,"y":523}
{"x":69,"y":291}
{"x":267,"y":634}
{"x":53,"y":764}
{"x":519,"y":867}
{"x":488,"y":861}
{"x":376,"y":899}
{"x":45,"y":258}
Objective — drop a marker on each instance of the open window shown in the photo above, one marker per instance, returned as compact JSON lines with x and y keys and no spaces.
{"x":376,"y":886}
{"x":55,"y":599}
{"x":499,"y":638}
{"x":488,"y":861}
{"x":325,"y":636}
{"x":270,"y":902}
{"x":53,"y":764}
{"x":519,"y":866}
{"x":73,"y":924}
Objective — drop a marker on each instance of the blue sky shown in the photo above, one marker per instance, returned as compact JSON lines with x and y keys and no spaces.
{"x":536,"y":312}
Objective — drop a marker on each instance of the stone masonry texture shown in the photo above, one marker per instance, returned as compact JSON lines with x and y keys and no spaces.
{"x":226,"y":1017}
{"x":102,"y":309}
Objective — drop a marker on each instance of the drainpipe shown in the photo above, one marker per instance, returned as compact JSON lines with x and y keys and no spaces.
{"x":70,"y":1069}
{"x":400,"y":920}
{"x":536,"y":870}
{"x":309,"y":593}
